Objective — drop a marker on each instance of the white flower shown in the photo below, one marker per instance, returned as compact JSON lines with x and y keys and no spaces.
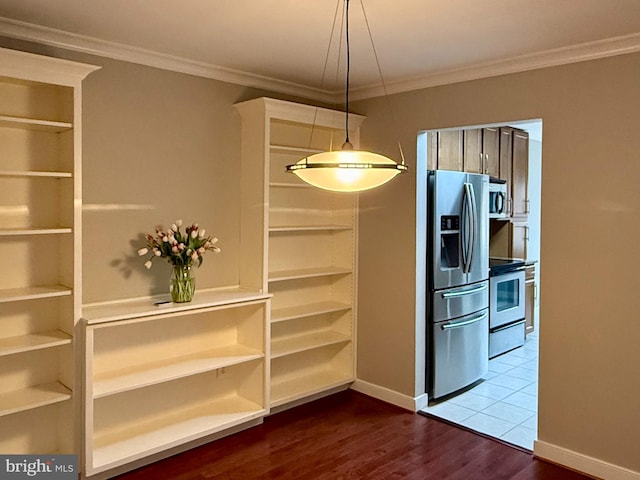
{"x":194,"y":233}
{"x":216,"y":249}
{"x":202,"y":232}
{"x":179,"y":223}
{"x":165,"y":239}
{"x":148,"y":264}
{"x":194,"y":256}
{"x":201,"y":250}
{"x":174,"y":227}
{"x":174,"y":249}
{"x":157,"y":252}
{"x":214,"y":240}
{"x":143,"y":251}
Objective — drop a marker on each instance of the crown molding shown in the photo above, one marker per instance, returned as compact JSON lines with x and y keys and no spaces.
{"x":117,"y":51}
{"x":549,"y":58}
{"x":94,"y":46}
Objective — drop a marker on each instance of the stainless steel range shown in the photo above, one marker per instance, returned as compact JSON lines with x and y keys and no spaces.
{"x":506,"y":305}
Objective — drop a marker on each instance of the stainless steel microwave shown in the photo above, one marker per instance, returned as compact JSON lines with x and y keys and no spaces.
{"x":498,"y":200}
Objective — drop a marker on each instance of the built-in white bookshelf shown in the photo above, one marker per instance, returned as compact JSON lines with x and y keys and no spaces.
{"x":308,"y":252}
{"x":40,"y":237}
{"x":161,"y":376}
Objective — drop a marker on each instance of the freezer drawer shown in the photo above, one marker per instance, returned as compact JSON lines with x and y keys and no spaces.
{"x":505,"y":338}
{"x":458,"y":301}
{"x":460,"y":353}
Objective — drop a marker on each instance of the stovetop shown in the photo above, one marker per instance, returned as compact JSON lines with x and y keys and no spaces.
{"x":500,"y":266}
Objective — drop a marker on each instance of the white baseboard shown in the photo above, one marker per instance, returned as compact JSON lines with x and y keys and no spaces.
{"x":390,"y":396}
{"x":582,"y":463}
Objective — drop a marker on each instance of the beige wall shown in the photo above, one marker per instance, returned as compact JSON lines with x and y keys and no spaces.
{"x":589,"y":357}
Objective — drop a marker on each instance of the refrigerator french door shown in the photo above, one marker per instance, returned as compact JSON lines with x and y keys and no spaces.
{"x":457,"y":276}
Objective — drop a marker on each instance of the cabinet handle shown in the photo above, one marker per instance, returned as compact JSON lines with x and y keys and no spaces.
{"x":486,"y":163}
{"x":526,"y":206}
{"x":481,"y":163}
{"x":526,"y":234}
{"x":535,"y":291}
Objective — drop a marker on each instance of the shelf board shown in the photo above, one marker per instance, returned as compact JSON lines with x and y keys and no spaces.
{"x":33,"y":397}
{"x":283,"y":275}
{"x":165,"y":370}
{"x":291,"y":150}
{"x":292,"y":389}
{"x":133,"y":442}
{"x":28,"y":173}
{"x":33,"y":341}
{"x":12,"y":232}
{"x":308,"y":228}
{"x":302,"y":343}
{"x":307,"y":310}
{"x":34,"y":124}
{"x":31,"y":293}
{"x":145,"y":307}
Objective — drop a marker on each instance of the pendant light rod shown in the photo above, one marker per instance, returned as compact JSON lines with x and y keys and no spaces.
{"x":348,"y":54}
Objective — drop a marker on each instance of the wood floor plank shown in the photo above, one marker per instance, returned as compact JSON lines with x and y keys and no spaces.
{"x":351,"y":436}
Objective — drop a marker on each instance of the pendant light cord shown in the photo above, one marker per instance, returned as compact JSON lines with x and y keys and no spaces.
{"x":348,"y":74}
{"x":384,"y":86}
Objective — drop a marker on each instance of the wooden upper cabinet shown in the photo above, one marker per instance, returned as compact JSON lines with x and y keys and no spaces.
{"x":506,"y":156}
{"x":432,"y":150}
{"x":472,"y":157}
{"x":520,"y":173}
{"x":450,"y":150}
{"x":490,"y":151}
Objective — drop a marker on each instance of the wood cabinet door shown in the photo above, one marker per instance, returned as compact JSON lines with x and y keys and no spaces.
{"x":519,"y":240}
{"x":450,"y":150}
{"x":520,"y":174}
{"x":529,"y":305}
{"x":472,"y":156}
{"x":432,"y":150}
{"x":490,"y":151}
{"x":506,"y":156}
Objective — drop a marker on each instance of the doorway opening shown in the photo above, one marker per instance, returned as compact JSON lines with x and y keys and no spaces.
{"x":503,"y":403}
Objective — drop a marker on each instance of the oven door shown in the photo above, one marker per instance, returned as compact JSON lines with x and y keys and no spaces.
{"x":506,"y":298}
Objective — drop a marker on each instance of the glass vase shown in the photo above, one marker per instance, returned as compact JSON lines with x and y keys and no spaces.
{"x":183,"y":284}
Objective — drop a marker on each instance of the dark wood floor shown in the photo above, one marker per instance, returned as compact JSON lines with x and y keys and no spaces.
{"x":351,"y":436}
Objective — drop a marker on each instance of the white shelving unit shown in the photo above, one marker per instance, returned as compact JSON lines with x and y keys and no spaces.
{"x":158,"y":377}
{"x":305,"y":245}
{"x":40,"y":237}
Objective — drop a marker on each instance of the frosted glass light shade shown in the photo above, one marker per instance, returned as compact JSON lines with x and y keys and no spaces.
{"x":346,"y":170}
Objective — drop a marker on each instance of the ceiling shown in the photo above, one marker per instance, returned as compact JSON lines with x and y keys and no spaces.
{"x":282,"y":44}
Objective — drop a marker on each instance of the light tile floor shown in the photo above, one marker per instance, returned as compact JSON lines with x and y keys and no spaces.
{"x":505,"y":404}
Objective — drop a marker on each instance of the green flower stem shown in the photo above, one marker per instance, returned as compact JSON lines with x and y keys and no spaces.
{"x":183,"y":284}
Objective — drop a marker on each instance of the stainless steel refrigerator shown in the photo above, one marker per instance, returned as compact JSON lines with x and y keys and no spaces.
{"x":457,"y":279}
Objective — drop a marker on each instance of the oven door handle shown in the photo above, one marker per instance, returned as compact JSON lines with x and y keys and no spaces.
{"x":509,"y":325}
{"x":464,"y":323}
{"x":461,"y":293}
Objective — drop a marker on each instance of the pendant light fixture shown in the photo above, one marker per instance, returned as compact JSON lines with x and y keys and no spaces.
{"x":347,"y":169}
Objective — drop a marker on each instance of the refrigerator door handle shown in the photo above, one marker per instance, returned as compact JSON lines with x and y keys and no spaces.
{"x":474,"y":223}
{"x":460,"y":293}
{"x":467,"y":223}
{"x":464,"y":323}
